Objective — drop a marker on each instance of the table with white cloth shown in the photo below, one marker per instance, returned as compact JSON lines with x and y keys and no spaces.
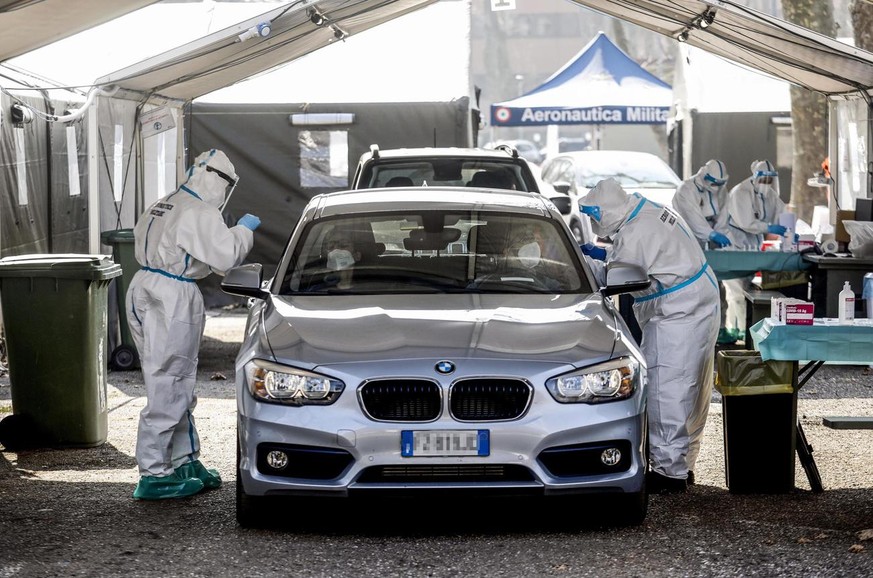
{"x":823,"y":341}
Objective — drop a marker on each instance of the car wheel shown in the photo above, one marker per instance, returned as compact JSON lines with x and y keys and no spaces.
{"x":630,"y":509}
{"x":249,"y":509}
{"x":576,"y":229}
{"x":123,"y":358}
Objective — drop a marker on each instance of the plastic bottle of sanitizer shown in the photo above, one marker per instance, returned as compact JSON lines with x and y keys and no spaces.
{"x":847,"y":305}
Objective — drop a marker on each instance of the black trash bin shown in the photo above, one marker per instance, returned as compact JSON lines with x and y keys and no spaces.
{"x":54,"y":316}
{"x":124,"y":356}
{"x":759,"y":409}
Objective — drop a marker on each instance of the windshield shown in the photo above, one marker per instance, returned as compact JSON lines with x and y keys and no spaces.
{"x":636,"y":172}
{"x":434,"y":251}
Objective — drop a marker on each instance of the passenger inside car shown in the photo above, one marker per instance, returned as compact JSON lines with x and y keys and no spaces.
{"x":491,"y":180}
{"x":399,"y":181}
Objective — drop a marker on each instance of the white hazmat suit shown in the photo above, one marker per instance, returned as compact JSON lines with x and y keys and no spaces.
{"x":754,"y":207}
{"x":179,"y":239}
{"x":678,"y":315}
{"x":702,"y":201}
{"x":753,"y":210}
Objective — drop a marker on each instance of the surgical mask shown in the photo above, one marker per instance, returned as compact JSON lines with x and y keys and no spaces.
{"x":339,"y":259}
{"x":529,"y":254}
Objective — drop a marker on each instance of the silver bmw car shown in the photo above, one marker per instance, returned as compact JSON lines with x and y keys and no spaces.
{"x":437,"y":340}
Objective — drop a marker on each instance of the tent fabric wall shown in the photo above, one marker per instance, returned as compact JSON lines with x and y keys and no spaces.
{"x":263,"y":146}
{"x":117,"y":150}
{"x":51,"y":221}
{"x":736,"y":138}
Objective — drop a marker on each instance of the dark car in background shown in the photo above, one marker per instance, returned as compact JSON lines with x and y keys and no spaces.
{"x":438,"y":342}
{"x":501,"y":168}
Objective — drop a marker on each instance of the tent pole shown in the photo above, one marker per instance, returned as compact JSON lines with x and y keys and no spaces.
{"x":93,"y":181}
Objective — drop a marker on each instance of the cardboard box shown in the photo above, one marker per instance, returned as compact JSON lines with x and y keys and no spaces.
{"x":840,"y":233}
{"x":799,"y":313}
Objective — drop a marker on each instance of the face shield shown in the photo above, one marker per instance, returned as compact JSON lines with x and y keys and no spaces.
{"x":765,"y":179}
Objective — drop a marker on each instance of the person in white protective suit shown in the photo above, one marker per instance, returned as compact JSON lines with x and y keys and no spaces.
{"x":179,"y":239}
{"x":678,"y":315}
{"x":702,"y":201}
{"x":753,"y":210}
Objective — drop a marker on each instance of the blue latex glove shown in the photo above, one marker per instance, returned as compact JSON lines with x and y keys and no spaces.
{"x":719,"y":239}
{"x":249,"y":221}
{"x":593,"y":251}
{"x":776,"y":230}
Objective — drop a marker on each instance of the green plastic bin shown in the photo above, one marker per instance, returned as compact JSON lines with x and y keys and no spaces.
{"x":124,"y":356}
{"x":759,"y":410}
{"x":55,"y":318}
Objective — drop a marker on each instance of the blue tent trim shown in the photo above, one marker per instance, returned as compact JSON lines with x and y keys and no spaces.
{"x":600,"y":85}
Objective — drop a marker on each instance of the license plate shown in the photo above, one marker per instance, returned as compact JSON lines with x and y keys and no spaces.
{"x":436,"y":443}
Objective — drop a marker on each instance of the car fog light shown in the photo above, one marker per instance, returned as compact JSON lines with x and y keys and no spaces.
{"x":277,"y":460}
{"x":610,"y":456}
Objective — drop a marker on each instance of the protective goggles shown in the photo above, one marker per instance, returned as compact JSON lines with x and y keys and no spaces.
{"x":759,"y":174}
{"x":714,"y":180}
{"x":592,"y":211}
{"x":231,"y":184}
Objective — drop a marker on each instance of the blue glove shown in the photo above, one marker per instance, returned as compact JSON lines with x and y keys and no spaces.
{"x":719,"y":239}
{"x":593,"y":251}
{"x":776,"y":230}
{"x":249,"y":221}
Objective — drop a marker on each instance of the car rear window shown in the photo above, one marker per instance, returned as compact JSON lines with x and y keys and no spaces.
{"x":452,"y":172}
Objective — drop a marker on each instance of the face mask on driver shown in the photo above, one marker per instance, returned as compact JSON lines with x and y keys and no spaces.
{"x":529,"y":254}
{"x":339,"y":259}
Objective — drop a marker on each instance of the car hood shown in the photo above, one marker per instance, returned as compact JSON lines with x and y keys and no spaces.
{"x":316,"y":330}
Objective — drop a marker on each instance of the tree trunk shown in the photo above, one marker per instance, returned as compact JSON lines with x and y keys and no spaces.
{"x":862,"y":22}
{"x":809,"y":113}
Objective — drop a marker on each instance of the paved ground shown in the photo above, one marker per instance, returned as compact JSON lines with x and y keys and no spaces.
{"x":69,"y":512}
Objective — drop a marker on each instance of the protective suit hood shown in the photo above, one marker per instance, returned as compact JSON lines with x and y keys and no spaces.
{"x":209,"y":185}
{"x":712,"y":176}
{"x":765,"y":178}
{"x":614,"y":206}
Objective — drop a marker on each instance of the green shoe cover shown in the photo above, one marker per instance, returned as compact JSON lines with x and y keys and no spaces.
{"x":210,"y":478}
{"x":172,"y":486}
{"x":727,"y":336}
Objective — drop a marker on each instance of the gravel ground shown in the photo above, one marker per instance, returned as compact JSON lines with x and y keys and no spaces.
{"x":70,"y":513}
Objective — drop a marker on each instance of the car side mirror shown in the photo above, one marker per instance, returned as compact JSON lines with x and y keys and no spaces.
{"x":246,"y":281}
{"x":624,"y":278}
{"x":563,"y":203}
{"x":562,"y":187}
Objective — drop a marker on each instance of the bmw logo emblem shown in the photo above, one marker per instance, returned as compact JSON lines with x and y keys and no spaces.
{"x":445,"y":367}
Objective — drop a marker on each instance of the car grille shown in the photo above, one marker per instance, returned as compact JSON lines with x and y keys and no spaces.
{"x":401,"y":399}
{"x":489,"y":399}
{"x":423,"y":474}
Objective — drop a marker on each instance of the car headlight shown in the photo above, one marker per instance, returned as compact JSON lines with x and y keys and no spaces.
{"x":609,"y":381}
{"x":277,"y":383}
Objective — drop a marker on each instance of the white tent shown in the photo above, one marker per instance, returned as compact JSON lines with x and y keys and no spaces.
{"x":783,"y":50}
{"x":177,"y":76}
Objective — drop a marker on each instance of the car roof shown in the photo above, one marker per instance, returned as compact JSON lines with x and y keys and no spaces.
{"x":427,"y":198}
{"x":440,"y":152}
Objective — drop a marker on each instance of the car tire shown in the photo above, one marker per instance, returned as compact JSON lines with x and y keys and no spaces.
{"x":630,"y":509}
{"x":123,"y":358}
{"x":250,"y":510}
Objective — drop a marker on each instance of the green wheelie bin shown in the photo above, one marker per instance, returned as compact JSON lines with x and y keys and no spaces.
{"x":759,"y":410}
{"x":55,"y":318}
{"x":124,"y":356}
